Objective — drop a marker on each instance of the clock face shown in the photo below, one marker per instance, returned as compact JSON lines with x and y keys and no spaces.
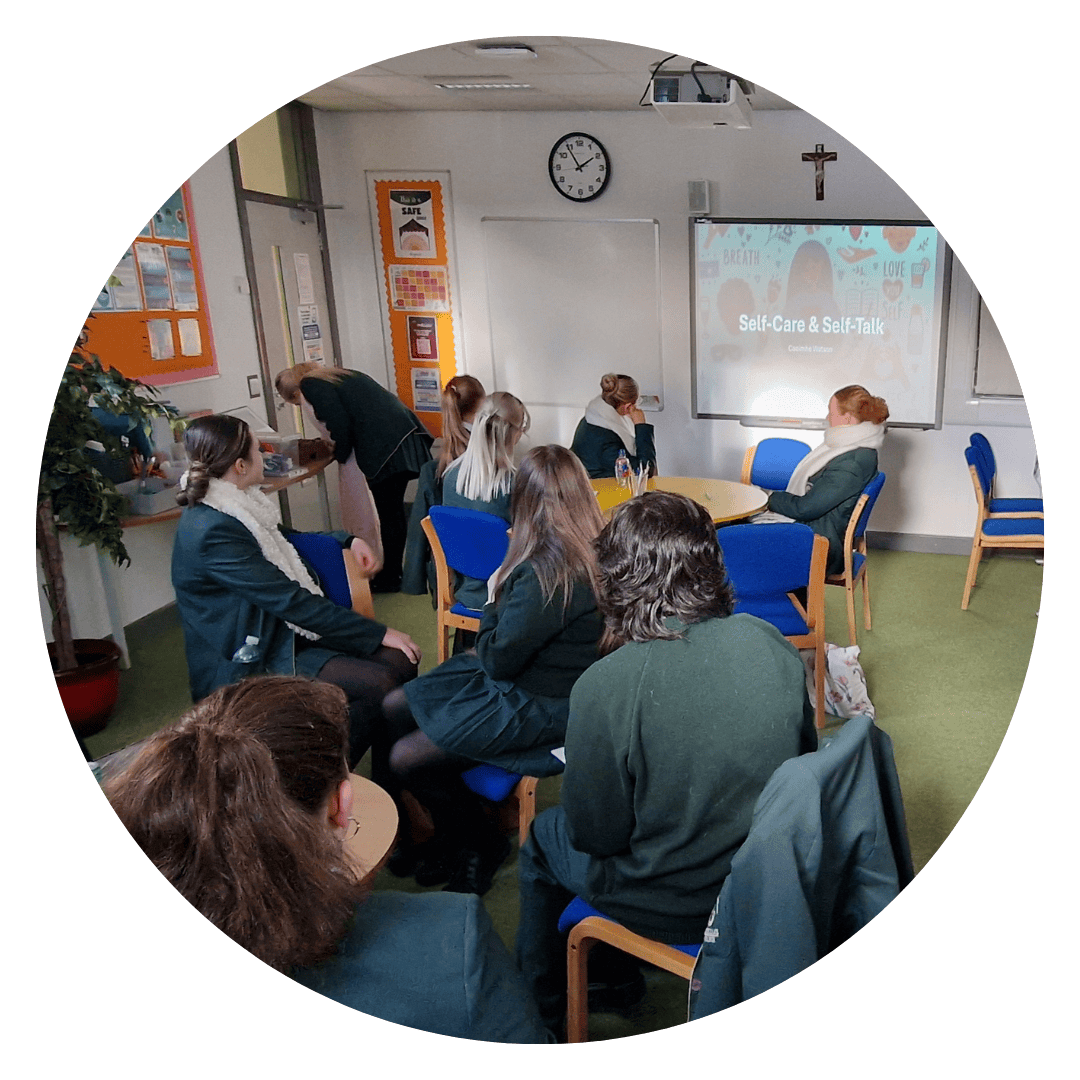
{"x":579,"y":167}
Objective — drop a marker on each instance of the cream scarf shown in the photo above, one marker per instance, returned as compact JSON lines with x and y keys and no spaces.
{"x":838,"y":440}
{"x":600,"y":414}
{"x":261,"y":516}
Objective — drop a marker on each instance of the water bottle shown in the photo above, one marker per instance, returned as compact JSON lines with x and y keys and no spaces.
{"x":247,"y":653}
{"x":622,"y":469}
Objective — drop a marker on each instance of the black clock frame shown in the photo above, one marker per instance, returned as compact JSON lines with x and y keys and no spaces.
{"x":607,"y":171}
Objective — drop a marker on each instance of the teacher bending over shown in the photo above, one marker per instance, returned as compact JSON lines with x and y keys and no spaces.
{"x":380,"y":446}
{"x":827,"y":483}
{"x":243,"y":806}
{"x":613,"y":422}
{"x":248,"y":602}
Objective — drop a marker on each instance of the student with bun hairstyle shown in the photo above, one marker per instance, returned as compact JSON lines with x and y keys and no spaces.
{"x":505,"y":702}
{"x":379,"y":444}
{"x":461,"y":399}
{"x":827,"y":483}
{"x":613,"y":422}
{"x":243,"y":805}
{"x":237,"y":576}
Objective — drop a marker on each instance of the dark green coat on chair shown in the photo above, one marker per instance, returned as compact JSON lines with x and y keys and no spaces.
{"x":226,"y":590}
{"x":830,"y":497}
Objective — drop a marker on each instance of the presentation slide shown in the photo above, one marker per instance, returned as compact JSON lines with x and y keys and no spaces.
{"x":785,"y":313}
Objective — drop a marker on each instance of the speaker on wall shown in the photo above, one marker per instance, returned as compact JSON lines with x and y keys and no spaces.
{"x":699,"y":196}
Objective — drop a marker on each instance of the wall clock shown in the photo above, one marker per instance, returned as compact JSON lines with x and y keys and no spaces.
{"x":579,"y":167}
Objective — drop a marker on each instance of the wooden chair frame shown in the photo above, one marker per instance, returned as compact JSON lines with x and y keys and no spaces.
{"x":444,"y":597}
{"x":359,"y":586}
{"x":848,"y":579}
{"x":583,"y":936}
{"x":981,"y":541}
{"x":814,"y":617}
{"x":521,"y":802}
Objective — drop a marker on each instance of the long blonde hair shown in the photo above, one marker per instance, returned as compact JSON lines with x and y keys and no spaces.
{"x":555,"y":519}
{"x":487,"y":466}
{"x":461,"y":398}
{"x":288,"y":381}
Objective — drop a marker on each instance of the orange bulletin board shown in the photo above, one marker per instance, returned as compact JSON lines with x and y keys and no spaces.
{"x":150,"y":320}
{"x":418,"y":292}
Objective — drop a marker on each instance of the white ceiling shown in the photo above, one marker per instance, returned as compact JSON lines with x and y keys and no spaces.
{"x":567,"y":74}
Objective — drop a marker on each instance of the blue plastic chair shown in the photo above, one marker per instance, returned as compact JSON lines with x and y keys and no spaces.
{"x":338,"y":572}
{"x":586,"y":926}
{"x":474,"y":544}
{"x":986,"y":465}
{"x":855,"y":567}
{"x":766,"y":564}
{"x":771,"y":462}
{"x":996,"y":529}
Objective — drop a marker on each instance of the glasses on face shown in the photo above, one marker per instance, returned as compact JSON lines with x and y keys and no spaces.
{"x":352,"y":828}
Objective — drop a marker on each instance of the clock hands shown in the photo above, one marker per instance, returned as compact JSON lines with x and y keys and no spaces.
{"x":584,"y":163}
{"x":570,"y":151}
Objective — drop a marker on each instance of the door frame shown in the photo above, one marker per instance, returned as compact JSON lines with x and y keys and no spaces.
{"x":312,"y":183}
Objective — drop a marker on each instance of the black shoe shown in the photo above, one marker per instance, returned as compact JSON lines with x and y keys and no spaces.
{"x":476,"y":870}
{"x":617,"y":997}
{"x":436,"y":864}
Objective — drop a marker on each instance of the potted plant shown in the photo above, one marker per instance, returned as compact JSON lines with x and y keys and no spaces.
{"x":75,"y":495}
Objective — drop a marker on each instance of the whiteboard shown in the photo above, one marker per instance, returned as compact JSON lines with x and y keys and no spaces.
{"x":570,"y":300}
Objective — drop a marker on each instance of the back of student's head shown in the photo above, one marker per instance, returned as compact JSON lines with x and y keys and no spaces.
{"x":555,"y":520}
{"x":659,"y":557}
{"x":461,"y":399}
{"x":857,"y":401}
{"x":213,"y":445}
{"x":618,"y":390}
{"x":230,"y":805}
{"x":487,"y":465}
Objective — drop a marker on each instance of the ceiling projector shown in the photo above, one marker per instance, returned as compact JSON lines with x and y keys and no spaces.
{"x":700,"y":99}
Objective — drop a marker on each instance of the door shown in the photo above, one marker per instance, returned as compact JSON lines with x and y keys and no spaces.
{"x":286,"y":248}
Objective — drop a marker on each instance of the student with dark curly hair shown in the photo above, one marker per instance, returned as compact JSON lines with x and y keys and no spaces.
{"x":243,"y":805}
{"x":671,"y":738}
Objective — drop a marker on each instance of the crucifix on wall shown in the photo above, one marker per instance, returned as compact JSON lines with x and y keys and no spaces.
{"x":819,"y":157}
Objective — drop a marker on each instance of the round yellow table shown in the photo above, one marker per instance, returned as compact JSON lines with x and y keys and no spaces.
{"x":373,"y":828}
{"x":726,"y":500}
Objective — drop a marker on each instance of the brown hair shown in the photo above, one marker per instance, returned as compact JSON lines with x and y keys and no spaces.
{"x":658,"y":558}
{"x":857,"y":401}
{"x":618,"y":390}
{"x":555,"y":519}
{"x":213,"y":444}
{"x":461,"y":397}
{"x":288,"y":381}
{"x":227,"y":803}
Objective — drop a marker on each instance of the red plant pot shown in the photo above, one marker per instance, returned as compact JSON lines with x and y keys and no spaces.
{"x":90,"y":692}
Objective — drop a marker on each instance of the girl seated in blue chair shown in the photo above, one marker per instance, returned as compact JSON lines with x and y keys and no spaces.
{"x":506,"y":702}
{"x":243,"y":805}
{"x":482,"y":478}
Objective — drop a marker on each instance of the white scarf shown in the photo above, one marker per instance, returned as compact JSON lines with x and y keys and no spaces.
{"x":261,"y":516}
{"x":600,"y":414}
{"x":838,"y":440}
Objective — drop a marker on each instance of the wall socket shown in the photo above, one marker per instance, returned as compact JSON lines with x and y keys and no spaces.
{"x":254,"y":386}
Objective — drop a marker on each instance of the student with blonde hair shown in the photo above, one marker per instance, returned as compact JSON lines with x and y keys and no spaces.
{"x":243,"y":805}
{"x":481,"y":479}
{"x":461,"y":400}
{"x":613,"y":423}
{"x":379,"y":444}
{"x":506,"y":702}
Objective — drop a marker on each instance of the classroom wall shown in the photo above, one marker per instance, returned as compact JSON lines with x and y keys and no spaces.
{"x":498,"y":167}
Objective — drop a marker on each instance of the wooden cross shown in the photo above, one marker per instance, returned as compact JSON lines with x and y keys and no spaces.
{"x":819,"y":157}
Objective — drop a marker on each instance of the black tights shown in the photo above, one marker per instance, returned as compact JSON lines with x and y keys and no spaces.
{"x":366,"y":682}
{"x":403,"y":757}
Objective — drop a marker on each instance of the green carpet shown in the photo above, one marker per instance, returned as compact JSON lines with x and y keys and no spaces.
{"x":944,"y":684}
